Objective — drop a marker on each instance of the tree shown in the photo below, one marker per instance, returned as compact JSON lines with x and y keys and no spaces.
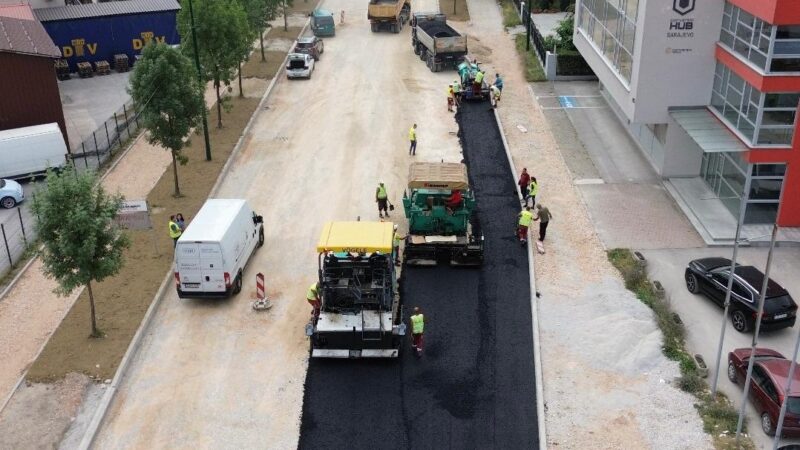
{"x":75,"y":221}
{"x":286,"y":4}
{"x":259,"y":14}
{"x":222,"y":29}
{"x":170,"y":99}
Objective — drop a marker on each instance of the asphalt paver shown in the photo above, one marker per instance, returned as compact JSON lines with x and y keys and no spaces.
{"x":474,"y":386}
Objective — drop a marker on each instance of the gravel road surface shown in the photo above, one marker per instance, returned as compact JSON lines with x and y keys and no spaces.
{"x":474,"y":386}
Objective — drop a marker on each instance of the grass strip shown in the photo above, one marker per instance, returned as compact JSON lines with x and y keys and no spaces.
{"x":533,"y":68}
{"x":510,"y":15}
{"x":718,"y":415}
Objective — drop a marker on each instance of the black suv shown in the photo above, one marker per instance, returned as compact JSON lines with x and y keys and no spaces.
{"x":710,"y":277}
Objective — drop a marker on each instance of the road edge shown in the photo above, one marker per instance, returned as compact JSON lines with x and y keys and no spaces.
{"x":537,"y":357}
{"x":102,"y":410}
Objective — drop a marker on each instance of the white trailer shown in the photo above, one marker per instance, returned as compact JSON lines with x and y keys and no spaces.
{"x":211,"y":254}
{"x":29,"y":151}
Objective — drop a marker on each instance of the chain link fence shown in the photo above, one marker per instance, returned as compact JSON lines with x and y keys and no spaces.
{"x":16,"y":234}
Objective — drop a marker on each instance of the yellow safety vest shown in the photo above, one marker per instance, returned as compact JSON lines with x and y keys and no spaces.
{"x":534,"y":188}
{"x":174,"y":230}
{"x":412,"y":134}
{"x":479,"y":77}
{"x":397,"y":239}
{"x":456,"y":87}
{"x":382,"y":195}
{"x":525,"y":218}
{"x":313,"y":293}
{"x":417,"y":323}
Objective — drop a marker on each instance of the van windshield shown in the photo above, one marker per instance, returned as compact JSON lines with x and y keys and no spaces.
{"x":325,"y":20}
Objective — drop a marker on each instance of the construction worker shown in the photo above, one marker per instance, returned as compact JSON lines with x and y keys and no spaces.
{"x":412,"y":138}
{"x":454,"y":201}
{"x":524,"y":220}
{"x":543,"y":215}
{"x":450,"y":98}
{"x":417,"y":330}
{"x":534,"y":189}
{"x":498,"y":81}
{"x":476,"y":86}
{"x":382,"y":199}
{"x":524,"y":184}
{"x":495,"y":95}
{"x":314,"y":299}
{"x":174,"y":231}
{"x":397,"y":239}
{"x":457,"y":92}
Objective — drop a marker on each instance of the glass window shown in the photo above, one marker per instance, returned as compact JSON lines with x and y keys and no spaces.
{"x":769,"y":170}
{"x":777,"y":117}
{"x":781,"y":100}
{"x":775,"y":136}
{"x":785,"y":65}
{"x":787,"y":47}
{"x":761,"y":212}
{"x":765,"y":189}
{"x":788,"y":32}
{"x":611,"y":26}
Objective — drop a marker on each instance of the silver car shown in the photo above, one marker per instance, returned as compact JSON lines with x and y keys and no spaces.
{"x":299,"y":65}
{"x":10,"y":193}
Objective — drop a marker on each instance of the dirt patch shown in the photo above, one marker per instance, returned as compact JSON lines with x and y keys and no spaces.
{"x":278,"y":33}
{"x":304,"y":6}
{"x":39,"y":414}
{"x":266,"y":69}
{"x":461,"y":12}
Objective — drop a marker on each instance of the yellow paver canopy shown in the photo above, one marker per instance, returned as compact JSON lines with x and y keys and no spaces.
{"x":451,"y":176}
{"x":356,"y":237}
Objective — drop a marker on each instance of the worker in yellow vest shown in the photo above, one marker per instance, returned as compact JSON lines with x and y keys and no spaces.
{"x":417,"y":330}
{"x":478,"y":84}
{"x":450,"y":98}
{"x":382,"y":199}
{"x":532,"y":191}
{"x":412,"y":139}
{"x":525,"y":218}
{"x":313,"y":298}
{"x":174,"y":231}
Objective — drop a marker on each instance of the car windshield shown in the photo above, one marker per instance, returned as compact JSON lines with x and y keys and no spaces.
{"x":305,"y":44}
{"x":794,"y":405}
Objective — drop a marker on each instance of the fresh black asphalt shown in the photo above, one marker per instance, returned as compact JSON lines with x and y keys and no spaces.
{"x":474,"y":387}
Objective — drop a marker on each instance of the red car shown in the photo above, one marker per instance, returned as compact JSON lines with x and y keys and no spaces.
{"x":767,"y":389}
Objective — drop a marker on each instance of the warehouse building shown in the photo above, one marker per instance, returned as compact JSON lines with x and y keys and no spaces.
{"x":710,"y":91}
{"x":98,"y":31}
{"x":28,"y":87}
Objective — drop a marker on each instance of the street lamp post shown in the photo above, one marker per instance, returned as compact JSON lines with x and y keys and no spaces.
{"x":527,"y":20}
{"x":200,"y":80}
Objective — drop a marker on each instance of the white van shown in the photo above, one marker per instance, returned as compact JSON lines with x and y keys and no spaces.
{"x":212,"y":252}
{"x":31,"y":150}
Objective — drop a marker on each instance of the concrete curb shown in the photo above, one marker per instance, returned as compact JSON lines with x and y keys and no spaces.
{"x":102,"y":410}
{"x":537,"y":356}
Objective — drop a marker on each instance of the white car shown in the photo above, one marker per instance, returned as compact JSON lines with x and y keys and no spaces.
{"x":10,"y":193}
{"x":299,"y":65}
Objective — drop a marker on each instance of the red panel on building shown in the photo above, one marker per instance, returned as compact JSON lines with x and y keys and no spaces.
{"x":776,"y":12}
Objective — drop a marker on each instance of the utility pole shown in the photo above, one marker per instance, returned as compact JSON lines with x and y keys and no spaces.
{"x":200,"y":80}
{"x":752,"y":358}
{"x":727,"y":303}
{"x":527,"y":20}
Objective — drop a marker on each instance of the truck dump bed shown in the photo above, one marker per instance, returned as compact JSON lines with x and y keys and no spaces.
{"x":440,"y":37}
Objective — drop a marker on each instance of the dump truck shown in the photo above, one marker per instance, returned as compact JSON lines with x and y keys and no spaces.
{"x":361,"y":312}
{"x":466,"y":72}
{"x":442,"y":223}
{"x":388,"y":14}
{"x":436,"y":42}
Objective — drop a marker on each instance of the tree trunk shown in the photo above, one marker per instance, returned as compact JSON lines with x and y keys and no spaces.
{"x":261,"y":38}
{"x":285,"y":20}
{"x":95,"y":331}
{"x":175,"y":173}
{"x":241,"y":94}
{"x":219,"y":103}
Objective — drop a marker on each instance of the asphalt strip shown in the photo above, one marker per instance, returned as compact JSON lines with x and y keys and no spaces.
{"x":475,"y":385}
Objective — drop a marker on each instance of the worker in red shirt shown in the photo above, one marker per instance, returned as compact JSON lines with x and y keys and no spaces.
{"x":524,"y":183}
{"x":454,"y":201}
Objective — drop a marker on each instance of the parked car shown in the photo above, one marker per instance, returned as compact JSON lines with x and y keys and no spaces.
{"x":299,"y":65}
{"x":710,"y":276}
{"x":310,"y":45}
{"x":768,"y":387}
{"x":10,"y":193}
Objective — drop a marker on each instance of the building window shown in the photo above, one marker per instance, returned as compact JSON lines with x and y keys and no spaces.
{"x":611,"y":26}
{"x":726,"y":175}
{"x":761,"y":119}
{"x":770,"y":48}
{"x":766,"y":183}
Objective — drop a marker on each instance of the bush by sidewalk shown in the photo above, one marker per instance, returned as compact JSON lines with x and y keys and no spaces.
{"x":533,"y":69}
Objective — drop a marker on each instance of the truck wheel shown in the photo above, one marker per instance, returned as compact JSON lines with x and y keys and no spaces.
{"x":416,"y":50}
{"x":261,"y":237}
{"x":237,"y":283}
{"x":374,"y":27}
{"x":423,"y":53}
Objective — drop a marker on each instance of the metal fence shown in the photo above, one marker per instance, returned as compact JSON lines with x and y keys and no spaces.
{"x":536,"y":38}
{"x":98,"y":147}
{"x":16,"y":233}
